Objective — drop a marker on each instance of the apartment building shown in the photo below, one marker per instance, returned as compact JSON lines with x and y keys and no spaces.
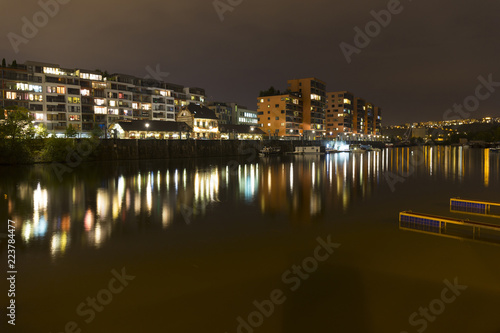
{"x":59,"y":97}
{"x":281,"y":115}
{"x":233,"y":114}
{"x":347,"y":113}
{"x":313,"y":92}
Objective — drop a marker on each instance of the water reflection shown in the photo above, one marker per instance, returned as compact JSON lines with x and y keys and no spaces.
{"x":94,"y":204}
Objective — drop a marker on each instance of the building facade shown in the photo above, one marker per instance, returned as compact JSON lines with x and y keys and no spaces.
{"x":58,"y":97}
{"x":202,"y":120}
{"x":348,"y":114}
{"x":234,"y":114}
{"x":313,"y":92}
{"x":281,"y":115}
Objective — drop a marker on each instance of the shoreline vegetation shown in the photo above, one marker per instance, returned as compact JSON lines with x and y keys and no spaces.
{"x":74,"y":151}
{"x":23,"y":143}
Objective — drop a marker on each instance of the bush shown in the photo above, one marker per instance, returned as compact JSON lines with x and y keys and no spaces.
{"x":56,"y":149}
{"x":15,"y":152}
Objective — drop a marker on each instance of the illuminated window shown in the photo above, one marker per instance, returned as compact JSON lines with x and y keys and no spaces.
{"x":262,"y":100}
{"x":74,"y":118}
{"x":346,"y":101}
{"x":11,"y":95}
{"x":85,"y":92}
{"x":61,"y":90}
{"x":36,"y":98}
{"x":51,"y":70}
{"x":74,"y":100}
{"x":99,"y":110}
{"x":112,"y":103}
{"x":99,"y":101}
{"x":28,"y":87}
{"x":269,"y":124}
{"x":39,"y":116}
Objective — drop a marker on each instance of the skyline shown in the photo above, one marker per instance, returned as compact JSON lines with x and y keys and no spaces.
{"x":439,"y":53}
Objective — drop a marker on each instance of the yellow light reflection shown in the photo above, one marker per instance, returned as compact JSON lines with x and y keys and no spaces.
{"x":486,"y":167}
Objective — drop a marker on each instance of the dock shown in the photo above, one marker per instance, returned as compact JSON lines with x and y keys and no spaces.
{"x":458,"y":205}
{"x":450,"y":227}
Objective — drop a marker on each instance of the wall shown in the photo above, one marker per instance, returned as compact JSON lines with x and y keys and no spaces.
{"x":160,"y":149}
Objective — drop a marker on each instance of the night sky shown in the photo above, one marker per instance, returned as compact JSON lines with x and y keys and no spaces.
{"x":428,"y":57}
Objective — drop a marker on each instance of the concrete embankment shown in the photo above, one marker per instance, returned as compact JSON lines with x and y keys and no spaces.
{"x":159,"y":149}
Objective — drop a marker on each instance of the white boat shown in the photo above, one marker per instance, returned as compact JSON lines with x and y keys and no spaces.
{"x":308,"y":150}
{"x":356,"y":149}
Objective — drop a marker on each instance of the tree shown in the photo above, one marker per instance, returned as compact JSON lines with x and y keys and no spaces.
{"x":14,"y":64}
{"x":41,"y":131}
{"x":96,"y":132}
{"x":19,"y":124}
{"x":4,"y":63}
{"x":270,"y":92}
{"x":70,"y":132}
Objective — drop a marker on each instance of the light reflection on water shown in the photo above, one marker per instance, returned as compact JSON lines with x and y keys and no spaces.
{"x":87,"y":213}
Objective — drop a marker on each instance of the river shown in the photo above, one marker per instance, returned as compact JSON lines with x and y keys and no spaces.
{"x":275,"y":244}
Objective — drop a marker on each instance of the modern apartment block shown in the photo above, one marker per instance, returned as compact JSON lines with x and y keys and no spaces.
{"x":349,"y":114}
{"x":59,"y":97}
{"x":313,"y":93}
{"x":281,"y":115}
{"x":297,"y":113}
{"x":233,"y":114}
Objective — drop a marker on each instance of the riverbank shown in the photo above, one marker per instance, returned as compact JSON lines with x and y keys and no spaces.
{"x":78,"y":150}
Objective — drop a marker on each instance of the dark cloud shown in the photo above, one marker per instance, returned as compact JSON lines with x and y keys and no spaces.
{"x":427,"y":59}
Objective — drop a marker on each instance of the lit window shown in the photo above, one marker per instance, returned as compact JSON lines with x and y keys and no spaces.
{"x":85,"y":92}
{"x":112,"y":103}
{"x":50,"y":70}
{"x":11,"y":95}
{"x":99,"y":110}
{"x":99,"y":101}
